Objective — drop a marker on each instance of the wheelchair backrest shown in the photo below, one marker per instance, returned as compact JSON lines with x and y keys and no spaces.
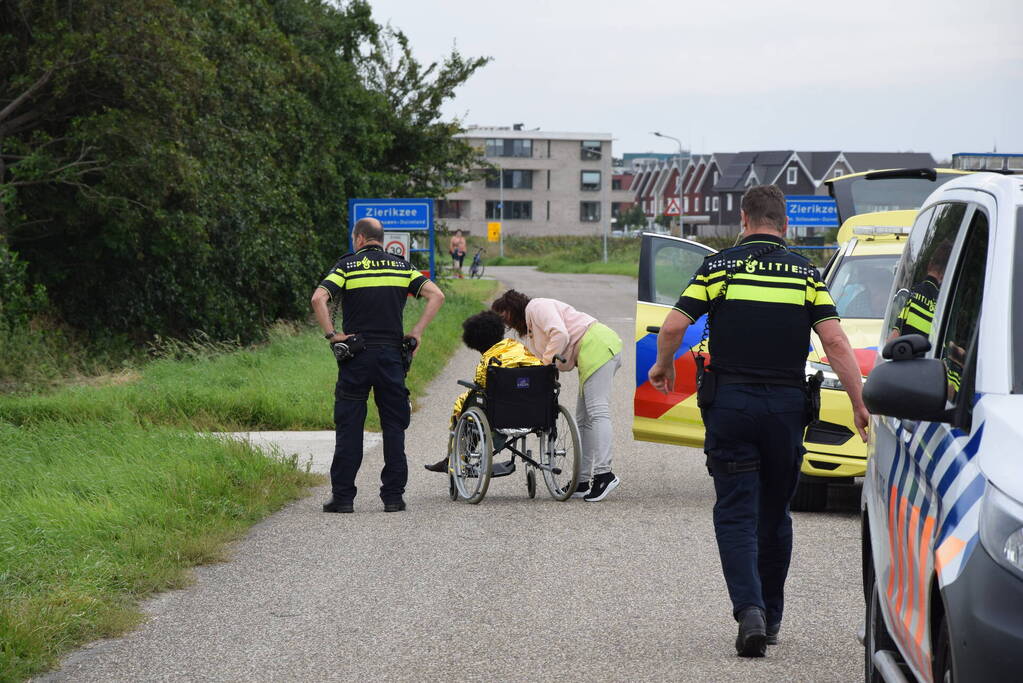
{"x":521,"y":397}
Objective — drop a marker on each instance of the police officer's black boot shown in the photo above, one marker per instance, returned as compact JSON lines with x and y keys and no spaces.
{"x":752,"y":638}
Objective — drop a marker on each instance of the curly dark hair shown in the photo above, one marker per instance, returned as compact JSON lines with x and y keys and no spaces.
{"x":483,"y":330}
{"x":513,"y":304}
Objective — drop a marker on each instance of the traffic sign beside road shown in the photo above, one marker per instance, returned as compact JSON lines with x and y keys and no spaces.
{"x":812,"y":211}
{"x":399,"y":217}
{"x":393,"y":214}
{"x":397,"y":243}
{"x":671,"y":207}
{"x":493,"y":232}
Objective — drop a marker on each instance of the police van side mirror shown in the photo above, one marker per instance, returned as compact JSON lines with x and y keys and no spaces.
{"x":911,"y":389}
{"x":905,"y":347}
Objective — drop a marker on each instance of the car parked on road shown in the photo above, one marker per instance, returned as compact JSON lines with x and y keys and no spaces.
{"x":942,"y":512}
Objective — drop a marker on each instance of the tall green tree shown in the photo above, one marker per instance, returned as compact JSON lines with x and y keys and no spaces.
{"x":174,"y":165}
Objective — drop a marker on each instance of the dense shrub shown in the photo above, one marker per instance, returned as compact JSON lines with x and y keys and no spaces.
{"x":168,"y":166}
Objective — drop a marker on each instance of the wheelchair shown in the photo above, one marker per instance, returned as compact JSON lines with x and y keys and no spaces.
{"x":519,"y":407}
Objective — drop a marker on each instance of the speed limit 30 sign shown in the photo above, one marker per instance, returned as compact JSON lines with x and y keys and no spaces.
{"x":397,"y":243}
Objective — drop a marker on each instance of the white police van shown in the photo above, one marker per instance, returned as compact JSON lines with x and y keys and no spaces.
{"x":943,"y":494}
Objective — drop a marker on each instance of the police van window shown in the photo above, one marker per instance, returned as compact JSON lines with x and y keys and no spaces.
{"x":922,"y":275}
{"x":672,"y":267}
{"x":964,"y":304}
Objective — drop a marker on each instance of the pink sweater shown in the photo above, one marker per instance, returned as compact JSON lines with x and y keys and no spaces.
{"x":555,"y":327}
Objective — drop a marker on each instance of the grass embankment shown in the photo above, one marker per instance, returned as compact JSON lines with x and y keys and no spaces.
{"x":567,"y":254}
{"x":285,"y":384}
{"x":95,"y":516}
{"x":107,"y":495}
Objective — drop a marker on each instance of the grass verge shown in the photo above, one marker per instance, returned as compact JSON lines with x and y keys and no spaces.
{"x":570,"y":254}
{"x":94,"y":517}
{"x":285,"y":384}
{"x":104,"y":499}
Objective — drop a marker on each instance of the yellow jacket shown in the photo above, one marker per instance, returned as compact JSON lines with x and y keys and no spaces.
{"x":510,"y":353}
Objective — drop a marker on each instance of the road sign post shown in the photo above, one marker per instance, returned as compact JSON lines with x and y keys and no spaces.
{"x":400,"y":217}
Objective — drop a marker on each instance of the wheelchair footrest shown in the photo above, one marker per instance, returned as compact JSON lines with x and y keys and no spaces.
{"x":502,"y":469}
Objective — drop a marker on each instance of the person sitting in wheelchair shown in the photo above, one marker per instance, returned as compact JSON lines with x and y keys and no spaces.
{"x":484,"y":332}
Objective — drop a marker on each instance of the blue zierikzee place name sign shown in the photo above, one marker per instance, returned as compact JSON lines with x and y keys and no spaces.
{"x":393,"y":214}
{"x":812,"y":211}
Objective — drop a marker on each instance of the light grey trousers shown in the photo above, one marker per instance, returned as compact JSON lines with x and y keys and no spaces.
{"x":593,"y":415}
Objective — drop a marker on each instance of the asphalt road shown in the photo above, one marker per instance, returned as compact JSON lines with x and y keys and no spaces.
{"x":512,"y":589}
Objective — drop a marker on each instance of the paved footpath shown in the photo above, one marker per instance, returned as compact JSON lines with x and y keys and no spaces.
{"x":510,"y":590}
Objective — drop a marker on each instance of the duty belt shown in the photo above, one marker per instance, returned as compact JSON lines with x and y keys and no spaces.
{"x":729,"y":378}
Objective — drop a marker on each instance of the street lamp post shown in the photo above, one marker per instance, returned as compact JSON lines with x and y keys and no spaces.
{"x":500,"y":205}
{"x":681,"y":203}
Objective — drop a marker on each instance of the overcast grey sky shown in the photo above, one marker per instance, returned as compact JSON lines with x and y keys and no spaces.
{"x":937,"y":76}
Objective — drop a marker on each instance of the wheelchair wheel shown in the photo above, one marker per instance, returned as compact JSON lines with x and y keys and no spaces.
{"x":472,"y":455}
{"x":559,"y":454}
{"x":452,"y":489}
{"x":531,"y":482}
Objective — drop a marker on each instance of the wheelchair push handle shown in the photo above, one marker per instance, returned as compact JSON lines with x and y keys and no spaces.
{"x":470,"y":385}
{"x":559,"y":357}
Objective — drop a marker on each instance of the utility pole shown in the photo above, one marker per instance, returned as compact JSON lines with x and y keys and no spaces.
{"x":500,"y":208}
{"x":681,"y":202}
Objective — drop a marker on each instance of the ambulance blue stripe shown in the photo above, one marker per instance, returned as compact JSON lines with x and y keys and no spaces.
{"x":646,"y":348}
{"x":966,"y":500}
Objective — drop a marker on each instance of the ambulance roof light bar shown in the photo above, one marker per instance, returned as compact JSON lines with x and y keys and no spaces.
{"x":877,"y":230}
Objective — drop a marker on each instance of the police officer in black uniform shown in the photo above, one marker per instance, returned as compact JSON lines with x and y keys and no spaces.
{"x":762,"y":301}
{"x":373,"y":286}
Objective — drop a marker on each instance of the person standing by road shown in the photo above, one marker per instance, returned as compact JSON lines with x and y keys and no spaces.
{"x":761,"y":300}
{"x":551,"y":327}
{"x":373,"y":286}
{"x":457,"y":250}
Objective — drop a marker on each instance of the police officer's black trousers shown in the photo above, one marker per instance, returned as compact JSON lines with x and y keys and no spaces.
{"x":754,"y":447}
{"x":380,"y":369}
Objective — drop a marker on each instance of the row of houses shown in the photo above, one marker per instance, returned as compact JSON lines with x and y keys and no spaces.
{"x":555,"y":183}
{"x":712,"y":184}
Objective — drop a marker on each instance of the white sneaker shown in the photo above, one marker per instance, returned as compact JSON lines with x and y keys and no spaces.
{"x":601,"y":486}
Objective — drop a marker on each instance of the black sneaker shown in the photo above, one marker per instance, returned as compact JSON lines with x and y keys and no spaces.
{"x":581,"y":489}
{"x":752,"y":638}
{"x":439,"y":466}
{"x":395,"y":506}
{"x":772,"y":633}
{"x":335,"y":505}
{"x":602,"y":485}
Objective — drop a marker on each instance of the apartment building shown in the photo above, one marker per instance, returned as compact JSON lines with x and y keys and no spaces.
{"x":541,"y":183}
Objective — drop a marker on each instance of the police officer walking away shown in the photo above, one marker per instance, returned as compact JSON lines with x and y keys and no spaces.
{"x":373,"y":286}
{"x":761,"y":300}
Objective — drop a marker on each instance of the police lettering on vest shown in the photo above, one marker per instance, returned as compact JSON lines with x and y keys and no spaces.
{"x":762,"y":327}
{"x":374,"y":286}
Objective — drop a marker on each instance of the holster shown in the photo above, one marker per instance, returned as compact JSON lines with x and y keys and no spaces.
{"x":408,"y":346}
{"x":706,"y":384}
{"x":813,"y":397}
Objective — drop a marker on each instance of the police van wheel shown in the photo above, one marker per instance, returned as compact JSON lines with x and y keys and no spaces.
{"x":876,"y":636}
{"x":472,"y":455}
{"x":811,"y":496}
{"x":531,"y":482}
